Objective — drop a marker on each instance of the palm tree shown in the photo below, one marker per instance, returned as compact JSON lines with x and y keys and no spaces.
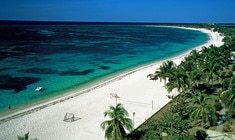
{"x":193,"y":57}
{"x":213,"y":60}
{"x":211,"y":68}
{"x":188,"y":65}
{"x":228,"y":96}
{"x":178,"y":80}
{"x":115,"y":127}
{"x":202,"y":110}
{"x":194,"y":78}
{"x":205,"y":51}
{"x":163,"y":72}
{"x":226,"y":52}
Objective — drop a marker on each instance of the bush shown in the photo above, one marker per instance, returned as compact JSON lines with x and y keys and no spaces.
{"x":201,"y":134}
{"x":227,"y":116}
{"x":218,"y":105}
{"x":24,"y":137}
{"x":227,"y":128}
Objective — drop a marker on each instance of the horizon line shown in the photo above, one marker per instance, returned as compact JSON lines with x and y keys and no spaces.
{"x":103,"y":22}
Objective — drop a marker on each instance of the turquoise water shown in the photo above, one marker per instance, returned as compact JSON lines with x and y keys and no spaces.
{"x":63,"y":57}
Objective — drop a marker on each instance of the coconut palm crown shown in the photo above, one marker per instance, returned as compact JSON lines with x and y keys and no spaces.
{"x":118,"y":123}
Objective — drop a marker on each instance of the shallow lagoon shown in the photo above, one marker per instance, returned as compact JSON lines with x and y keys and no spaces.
{"x":64,"y":57}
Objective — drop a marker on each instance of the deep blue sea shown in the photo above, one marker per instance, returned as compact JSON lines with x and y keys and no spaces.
{"x":61,"y":57}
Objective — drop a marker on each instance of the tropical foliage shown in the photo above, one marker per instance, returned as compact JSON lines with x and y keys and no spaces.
{"x":202,"y":78}
{"x":24,"y":137}
{"x":163,"y":72}
{"x":202,"y":110}
{"x":118,"y":123}
{"x":228,"y":96}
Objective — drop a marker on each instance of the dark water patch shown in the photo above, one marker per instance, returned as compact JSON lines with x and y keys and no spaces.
{"x":162,"y":48}
{"x":43,"y":60}
{"x":19,"y":34}
{"x":17,"y":84}
{"x":66,"y":59}
{"x":131,"y":52}
{"x":104,"y":67}
{"x":92,"y":63}
{"x":6,"y":54}
{"x":3,"y":55}
{"x":92,"y":49}
{"x":35,"y":49}
{"x":7,"y":68}
{"x":63,"y":48}
{"x":111,"y":61}
{"x":74,"y":72}
{"x":167,"y":45}
{"x":132,"y":56}
{"x":63,"y":60}
{"x":40,"y":71}
{"x":95,"y":65}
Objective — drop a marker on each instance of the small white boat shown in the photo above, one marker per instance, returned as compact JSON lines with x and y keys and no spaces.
{"x":38,"y":88}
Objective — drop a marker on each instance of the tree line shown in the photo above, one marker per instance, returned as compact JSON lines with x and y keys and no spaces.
{"x":205,"y":82}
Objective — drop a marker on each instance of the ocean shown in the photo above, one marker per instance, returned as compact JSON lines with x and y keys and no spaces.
{"x":63,"y":57}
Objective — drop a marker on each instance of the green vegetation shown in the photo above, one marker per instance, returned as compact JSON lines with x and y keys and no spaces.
{"x":206,"y":82}
{"x":25,"y":137}
{"x":228,"y":96}
{"x":203,"y":79}
{"x":115,"y":128}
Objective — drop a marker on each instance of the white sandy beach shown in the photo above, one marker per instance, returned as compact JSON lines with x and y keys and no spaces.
{"x":137,"y":93}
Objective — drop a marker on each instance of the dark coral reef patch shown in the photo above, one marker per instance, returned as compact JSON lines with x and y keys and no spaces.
{"x":40,"y":71}
{"x":104,"y":67}
{"x":17,"y":84}
{"x":74,"y":72}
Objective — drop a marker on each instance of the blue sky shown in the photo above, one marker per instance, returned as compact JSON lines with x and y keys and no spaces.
{"x":180,"y":11}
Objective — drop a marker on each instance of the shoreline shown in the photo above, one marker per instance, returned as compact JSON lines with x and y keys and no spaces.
{"x":87,"y":86}
{"x":133,"y":102}
{"x":56,"y":90}
{"x":71,"y":93}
